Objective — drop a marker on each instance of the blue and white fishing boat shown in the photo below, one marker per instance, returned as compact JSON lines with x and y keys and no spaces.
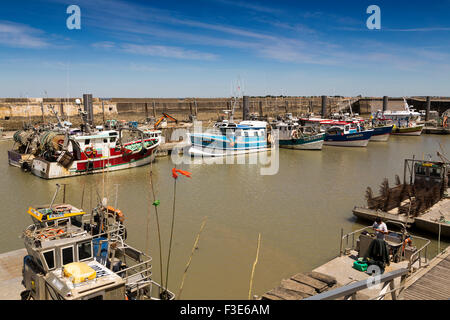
{"x":382,"y":129}
{"x":229,"y":138}
{"x":346,"y":134}
{"x":382,"y":133}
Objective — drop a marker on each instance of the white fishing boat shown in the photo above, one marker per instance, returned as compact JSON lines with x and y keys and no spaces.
{"x":229,"y":138}
{"x":405,"y":121}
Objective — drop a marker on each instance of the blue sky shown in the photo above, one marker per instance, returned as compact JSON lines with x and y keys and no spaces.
{"x":200,"y":48}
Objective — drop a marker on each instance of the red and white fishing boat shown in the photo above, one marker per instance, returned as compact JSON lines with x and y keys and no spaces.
{"x":70,"y":155}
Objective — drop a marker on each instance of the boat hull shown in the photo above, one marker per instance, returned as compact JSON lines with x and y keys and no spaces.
{"x":306,"y":143}
{"x":381,"y":134}
{"x":53,"y":170}
{"x":219,"y":146}
{"x":17,"y":159}
{"x":360,"y":139}
{"x":408,"y":131}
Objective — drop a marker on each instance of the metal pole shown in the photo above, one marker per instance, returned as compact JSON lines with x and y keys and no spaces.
{"x":439,"y":239}
{"x":427,"y":114}
{"x":54,"y":196}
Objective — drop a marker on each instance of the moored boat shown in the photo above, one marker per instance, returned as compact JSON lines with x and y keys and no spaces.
{"x":73,"y":255}
{"x":294,"y":136}
{"x":405,"y":121}
{"x":381,"y":134}
{"x":229,"y":138}
{"x":346,"y":134}
{"x":65,"y":155}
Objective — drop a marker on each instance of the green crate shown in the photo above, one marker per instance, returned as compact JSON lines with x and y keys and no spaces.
{"x":360,"y":266}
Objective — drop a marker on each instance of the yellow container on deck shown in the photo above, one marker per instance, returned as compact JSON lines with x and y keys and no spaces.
{"x":79,"y":272}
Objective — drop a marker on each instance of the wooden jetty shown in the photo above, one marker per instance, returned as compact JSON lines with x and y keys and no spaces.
{"x":337,"y":280}
{"x":165,"y":149}
{"x":432,"y":283}
{"x":11,"y":274}
{"x":436,"y":130}
{"x":300,"y":286}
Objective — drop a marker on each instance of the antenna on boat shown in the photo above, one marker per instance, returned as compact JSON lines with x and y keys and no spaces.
{"x":58,"y":186}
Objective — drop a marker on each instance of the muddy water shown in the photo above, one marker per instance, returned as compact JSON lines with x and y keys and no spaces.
{"x":299,"y":211}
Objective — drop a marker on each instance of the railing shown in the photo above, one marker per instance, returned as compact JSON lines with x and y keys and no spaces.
{"x":347,"y":236}
{"x":349,"y":291}
{"x":416,"y":256}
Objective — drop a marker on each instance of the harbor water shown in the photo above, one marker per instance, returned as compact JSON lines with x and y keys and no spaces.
{"x":299,"y":211}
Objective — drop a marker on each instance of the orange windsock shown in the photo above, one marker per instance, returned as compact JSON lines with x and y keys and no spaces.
{"x":184,"y":173}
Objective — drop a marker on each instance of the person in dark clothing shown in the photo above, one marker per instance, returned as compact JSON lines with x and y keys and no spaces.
{"x":378,"y":254}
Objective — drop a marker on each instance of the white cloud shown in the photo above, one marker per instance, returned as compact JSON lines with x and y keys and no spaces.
{"x":168,"y":52}
{"x":20,"y":36}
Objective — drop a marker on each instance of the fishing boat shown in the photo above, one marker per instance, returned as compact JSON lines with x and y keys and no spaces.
{"x":405,"y":121}
{"x":73,"y":255}
{"x":229,"y":138}
{"x":421,"y":201}
{"x":66,"y":155}
{"x":347,"y":134}
{"x":341,"y":133}
{"x":382,"y":129}
{"x":293,"y":136}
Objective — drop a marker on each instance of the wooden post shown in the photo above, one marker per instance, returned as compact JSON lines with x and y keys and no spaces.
{"x":154,"y":109}
{"x":42,"y":110}
{"x":146,"y":110}
{"x":427,"y":114}
{"x":103,"y":110}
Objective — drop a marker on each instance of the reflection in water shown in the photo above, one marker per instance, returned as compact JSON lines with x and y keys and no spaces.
{"x":299,"y":211}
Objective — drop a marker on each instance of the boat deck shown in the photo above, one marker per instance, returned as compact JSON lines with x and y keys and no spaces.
{"x":342,"y":269}
{"x":437,"y":215}
{"x":432,"y":283}
{"x":11,"y":274}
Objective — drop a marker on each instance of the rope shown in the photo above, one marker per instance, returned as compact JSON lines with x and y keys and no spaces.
{"x":254,"y":266}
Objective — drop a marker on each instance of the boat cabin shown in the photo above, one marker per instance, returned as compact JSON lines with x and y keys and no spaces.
{"x":430,"y":172}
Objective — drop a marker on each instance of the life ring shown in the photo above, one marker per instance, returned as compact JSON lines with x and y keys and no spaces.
{"x":294,"y":134}
{"x":118,"y":213}
{"x":407,"y":241}
{"x":90,"y":152}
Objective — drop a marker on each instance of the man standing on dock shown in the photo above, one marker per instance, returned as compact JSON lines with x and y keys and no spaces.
{"x":380,"y":228}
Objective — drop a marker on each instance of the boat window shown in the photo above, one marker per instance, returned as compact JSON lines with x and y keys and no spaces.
{"x":84,"y":250}
{"x":49,"y":257}
{"x":87,"y":141}
{"x":105,"y":140}
{"x":420,"y":170}
{"x":113,"y":139}
{"x":67,"y":255}
{"x":435,"y":172}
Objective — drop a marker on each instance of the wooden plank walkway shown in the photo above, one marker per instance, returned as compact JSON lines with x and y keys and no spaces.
{"x":433,"y":283}
{"x":11,"y":274}
{"x":300,"y":286}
